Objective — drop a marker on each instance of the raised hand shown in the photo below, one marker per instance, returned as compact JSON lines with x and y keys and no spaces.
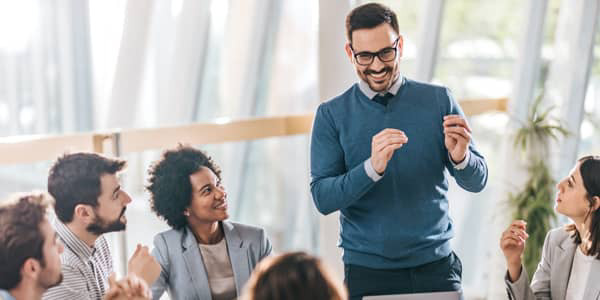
{"x":457,"y":135}
{"x":512,"y":244}
{"x":383,"y":146}
{"x":143,"y":265}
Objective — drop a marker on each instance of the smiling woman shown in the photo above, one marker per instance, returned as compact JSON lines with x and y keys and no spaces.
{"x":186,"y":191}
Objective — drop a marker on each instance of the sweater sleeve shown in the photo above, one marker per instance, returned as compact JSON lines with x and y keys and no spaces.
{"x":333,"y":187}
{"x":473,"y":177}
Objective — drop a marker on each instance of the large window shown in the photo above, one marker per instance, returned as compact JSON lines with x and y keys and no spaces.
{"x":77,"y":65}
{"x":589,"y":133}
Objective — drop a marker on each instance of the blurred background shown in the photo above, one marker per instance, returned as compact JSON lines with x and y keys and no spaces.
{"x":69,"y":66}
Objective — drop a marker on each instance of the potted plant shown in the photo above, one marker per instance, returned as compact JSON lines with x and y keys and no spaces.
{"x":533,"y":203}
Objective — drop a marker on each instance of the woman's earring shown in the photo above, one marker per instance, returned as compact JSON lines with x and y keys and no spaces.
{"x":186,"y":213}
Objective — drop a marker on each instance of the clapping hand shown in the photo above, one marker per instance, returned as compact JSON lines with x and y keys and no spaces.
{"x":130,"y":287}
{"x":144,"y":265}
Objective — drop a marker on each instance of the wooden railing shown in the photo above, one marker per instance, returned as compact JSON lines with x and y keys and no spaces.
{"x":26,"y":149}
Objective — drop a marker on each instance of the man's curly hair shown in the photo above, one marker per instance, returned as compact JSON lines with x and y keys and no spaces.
{"x":169,"y":183}
{"x":21,"y":237}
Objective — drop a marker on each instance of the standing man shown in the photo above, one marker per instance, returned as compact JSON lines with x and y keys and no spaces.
{"x":89,"y":202}
{"x":378,"y":155}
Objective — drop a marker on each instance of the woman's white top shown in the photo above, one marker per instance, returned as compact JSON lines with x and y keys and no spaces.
{"x":580,"y":270}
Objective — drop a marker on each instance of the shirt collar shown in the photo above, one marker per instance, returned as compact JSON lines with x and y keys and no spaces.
{"x":5,"y":295}
{"x":73,"y":242}
{"x":365,"y":89}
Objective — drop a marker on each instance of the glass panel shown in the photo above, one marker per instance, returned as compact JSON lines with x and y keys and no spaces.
{"x":40,"y":90}
{"x":548,"y":43}
{"x":291,"y":79}
{"x":478,"y":47}
{"x":589,"y":133}
{"x":23,"y":178}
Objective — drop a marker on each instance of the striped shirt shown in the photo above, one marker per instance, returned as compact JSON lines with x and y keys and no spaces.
{"x":85,"y":269}
{"x":5,"y":295}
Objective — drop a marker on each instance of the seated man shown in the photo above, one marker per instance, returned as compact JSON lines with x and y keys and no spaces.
{"x":30,"y":254}
{"x":88,"y":203}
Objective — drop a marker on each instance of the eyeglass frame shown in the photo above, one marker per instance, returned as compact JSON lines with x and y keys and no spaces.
{"x":394,"y":47}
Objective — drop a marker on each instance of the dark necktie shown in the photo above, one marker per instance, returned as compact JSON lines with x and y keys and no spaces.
{"x":383,"y":100}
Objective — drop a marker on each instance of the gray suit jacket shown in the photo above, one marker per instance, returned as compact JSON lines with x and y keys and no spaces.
{"x":553,"y":272}
{"x":182,"y":270}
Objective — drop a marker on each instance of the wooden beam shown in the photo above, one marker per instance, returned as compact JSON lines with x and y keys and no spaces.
{"x":480,"y":106}
{"x":25,"y":149}
{"x":32,"y":148}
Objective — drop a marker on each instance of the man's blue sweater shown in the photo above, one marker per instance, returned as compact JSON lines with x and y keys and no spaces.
{"x":401,"y":220}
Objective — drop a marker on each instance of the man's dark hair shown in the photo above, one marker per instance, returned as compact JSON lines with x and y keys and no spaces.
{"x":75,"y":179}
{"x":369,"y":16}
{"x":169,"y":183}
{"x":21,"y":236}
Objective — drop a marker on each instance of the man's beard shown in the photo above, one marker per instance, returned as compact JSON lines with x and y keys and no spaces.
{"x":392,"y":70}
{"x":44,"y":284}
{"x":100,"y":226}
{"x":59,"y":281}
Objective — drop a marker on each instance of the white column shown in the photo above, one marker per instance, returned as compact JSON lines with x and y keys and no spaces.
{"x":175,"y":105}
{"x":431,"y":23}
{"x":528,"y":66}
{"x":336,"y":74}
{"x":254,"y":23}
{"x":130,"y":65}
{"x":527,"y":70}
{"x":12,"y":97}
{"x":64,"y":63}
{"x":81,"y":69}
{"x":569,"y":73}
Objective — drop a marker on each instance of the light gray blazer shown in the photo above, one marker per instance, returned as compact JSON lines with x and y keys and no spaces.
{"x":553,"y":272}
{"x":182,"y":270}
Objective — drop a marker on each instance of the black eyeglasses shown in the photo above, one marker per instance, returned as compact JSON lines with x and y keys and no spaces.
{"x":366,"y":58}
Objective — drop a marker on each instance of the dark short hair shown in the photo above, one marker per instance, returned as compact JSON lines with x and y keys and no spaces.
{"x":292,"y":276}
{"x":21,"y":236}
{"x":369,"y":16}
{"x":169,"y":182}
{"x":589,"y":167}
{"x":75,"y":179}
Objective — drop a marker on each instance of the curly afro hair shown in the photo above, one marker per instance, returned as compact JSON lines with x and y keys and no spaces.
{"x":169,"y":183}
